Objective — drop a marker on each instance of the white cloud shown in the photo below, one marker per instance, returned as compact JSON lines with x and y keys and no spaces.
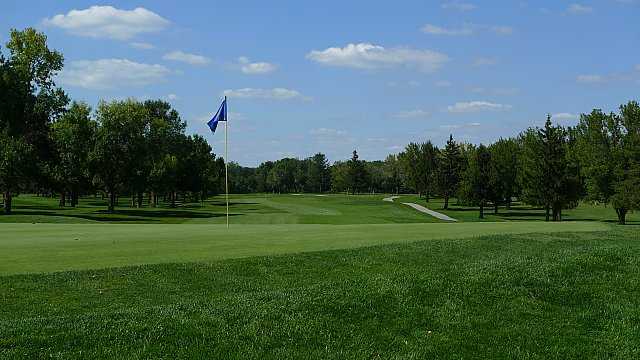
{"x":369,"y":56}
{"x":565,"y":116}
{"x":502,"y":30}
{"x":271,"y":94}
{"x":108,"y":22}
{"x":476,"y":106}
{"x":460,"y":126}
{"x":590,"y":79}
{"x":412,"y":114}
{"x":328,"y":132}
{"x":111,"y":73}
{"x":142,"y":45}
{"x":443,"y":83}
{"x":255,"y":68}
{"x":466,"y":29}
{"x":577,"y":9}
{"x":484,"y":61}
{"x":172,"y":97}
{"x":438,"y":30}
{"x":460,"y":6}
{"x":192,"y":59}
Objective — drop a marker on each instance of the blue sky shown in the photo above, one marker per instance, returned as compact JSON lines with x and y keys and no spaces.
{"x":333,"y":76}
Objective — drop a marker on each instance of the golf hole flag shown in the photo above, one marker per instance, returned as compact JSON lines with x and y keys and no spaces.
{"x":221,"y":115}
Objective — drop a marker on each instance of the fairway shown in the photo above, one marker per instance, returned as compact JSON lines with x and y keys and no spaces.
{"x":55,"y":247}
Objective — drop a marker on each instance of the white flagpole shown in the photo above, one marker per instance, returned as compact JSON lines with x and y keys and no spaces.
{"x":226,"y":160}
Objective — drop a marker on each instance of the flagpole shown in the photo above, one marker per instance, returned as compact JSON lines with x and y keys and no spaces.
{"x":226,"y":161}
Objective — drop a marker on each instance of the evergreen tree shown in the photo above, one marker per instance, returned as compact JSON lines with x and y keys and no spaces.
{"x":449,"y":170}
{"x":356,"y":176}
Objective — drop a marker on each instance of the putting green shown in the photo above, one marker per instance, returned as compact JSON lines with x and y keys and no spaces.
{"x":33,"y":248}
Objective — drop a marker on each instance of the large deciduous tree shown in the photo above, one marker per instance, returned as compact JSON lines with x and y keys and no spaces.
{"x":119,"y":139}
{"x":609,"y":151}
{"x":504,"y":160}
{"x":29,"y":101}
{"x":73,"y":136}
{"x":477,"y":178}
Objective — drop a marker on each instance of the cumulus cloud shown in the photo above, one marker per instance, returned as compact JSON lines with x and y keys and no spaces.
{"x":443,"y":83}
{"x":191,"y":59}
{"x":369,"y":56}
{"x":565,"y":116}
{"x":460,"y":6}
{"x":484,"y":61}
{"x":255,"y":68}
{"x":439,"y":30}
{"x":111,"y":73}
{"x":578,"y":9}
{"x":467,"y":29}
{"x":476,"y":106}
{"x":411,"y":114}
{"x":270,"y":94}
{"x":142,"y":45}
{"x":590,"y":79}
{"x":108,"y":22}
{"x":172,"y":97}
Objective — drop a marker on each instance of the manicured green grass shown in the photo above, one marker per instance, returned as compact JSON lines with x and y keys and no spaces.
{"x":520,"y":212}
{"x":536,"y":296}
{"x":245,"y":209}
{"x":56,"y":247}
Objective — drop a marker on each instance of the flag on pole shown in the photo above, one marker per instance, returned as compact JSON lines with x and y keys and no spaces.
{"x":221,"y":115}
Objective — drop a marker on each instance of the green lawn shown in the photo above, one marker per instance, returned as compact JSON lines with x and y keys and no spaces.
{"x":56,"y":247}
{"x":245,"y":209}
{"x":315,"y":277}
{"x":535,"y":296}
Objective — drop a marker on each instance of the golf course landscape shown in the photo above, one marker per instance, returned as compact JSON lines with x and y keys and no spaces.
{"x":312,"y":276}
{"x":452,"y":179}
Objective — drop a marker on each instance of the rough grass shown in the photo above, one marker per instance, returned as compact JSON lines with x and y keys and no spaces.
{"x":541,"y":296}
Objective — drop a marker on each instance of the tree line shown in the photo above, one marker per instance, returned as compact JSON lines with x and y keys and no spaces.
{"x":51,"y":145}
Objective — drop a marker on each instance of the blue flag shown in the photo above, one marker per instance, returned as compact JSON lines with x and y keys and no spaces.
{"x":221,"y":115}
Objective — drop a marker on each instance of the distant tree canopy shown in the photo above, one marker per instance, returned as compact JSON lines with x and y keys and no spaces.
{"x":51,"y":145}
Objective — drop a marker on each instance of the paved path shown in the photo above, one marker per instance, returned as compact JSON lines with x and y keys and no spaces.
{"x":423,"y":209}
{"x":435,"y":214}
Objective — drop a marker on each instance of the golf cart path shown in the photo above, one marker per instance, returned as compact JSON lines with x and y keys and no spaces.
{"x":423,"y":209}
{"x":435,"y":214}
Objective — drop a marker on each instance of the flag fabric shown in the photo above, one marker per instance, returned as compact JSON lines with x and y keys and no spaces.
{"x":221,"y":115}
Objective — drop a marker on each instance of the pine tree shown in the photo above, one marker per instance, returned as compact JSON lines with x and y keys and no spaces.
{"x":449,"y":170}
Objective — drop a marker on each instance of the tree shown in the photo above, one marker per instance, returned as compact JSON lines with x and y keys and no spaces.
{"x":340,"y":176}
{"x":29,"y":101}
{"x":73,"y":136}
{"x":548,"y":177}
{"x":429,"y":160}
{"x":449,"y":170}
{"x":392,"y":173}
{"x":356,"y":175}
{"x":504,"y":156}
{"x":477,"y":178}
{"x":14,"y":154}
{"x":608,"y":148}
{"x":319,"y":175}
{"x":116,"y":155}
{"x":413,"y":167}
